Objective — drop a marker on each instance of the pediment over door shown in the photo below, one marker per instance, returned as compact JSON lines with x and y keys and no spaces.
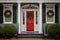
{"x":30,"y":6}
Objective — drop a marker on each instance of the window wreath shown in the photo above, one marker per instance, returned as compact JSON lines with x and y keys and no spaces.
{"x":50,"y":13}
{"x":7,"y":13}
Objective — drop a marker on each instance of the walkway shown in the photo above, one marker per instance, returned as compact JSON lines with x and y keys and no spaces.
{"x":28,"y":39}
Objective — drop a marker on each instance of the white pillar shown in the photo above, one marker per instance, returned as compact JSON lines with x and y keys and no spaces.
{"x":40,"y":18}
{"x":19,"y":29}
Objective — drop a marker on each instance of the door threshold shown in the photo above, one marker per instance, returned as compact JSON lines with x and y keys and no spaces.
{"x":30,"y":32}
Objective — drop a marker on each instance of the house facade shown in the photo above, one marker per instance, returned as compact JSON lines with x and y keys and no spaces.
{"x":30,"y":16}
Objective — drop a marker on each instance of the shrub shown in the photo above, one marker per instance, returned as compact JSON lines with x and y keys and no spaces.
{"x":1,"y":32}
{"x":53,"y":30}
{"x":9,"y":30}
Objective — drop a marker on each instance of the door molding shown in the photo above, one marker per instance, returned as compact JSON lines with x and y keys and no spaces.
{"x":24,"y":25}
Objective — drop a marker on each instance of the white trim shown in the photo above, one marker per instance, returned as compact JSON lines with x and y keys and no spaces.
{"x":30,"y":9}
{"x":7,"y":23}
{"x":23,"y":26}
{"x":36,"y":27}
{"x":53,"y":9}
{"x":25,"y":20}
{"x":19,"y":29}
{"x":34,"y":16}
{"x":9,"y":7}
{"x":28,"y":5}
{"x":29,"y":1}
{"x":40,"y":18}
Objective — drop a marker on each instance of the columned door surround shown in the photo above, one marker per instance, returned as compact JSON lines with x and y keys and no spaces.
{"x":19,"y":11}
{"x":24,"y":26}
{"x":39,"y":18}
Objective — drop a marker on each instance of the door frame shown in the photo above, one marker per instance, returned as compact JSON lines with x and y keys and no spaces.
{"x":24,"y":10}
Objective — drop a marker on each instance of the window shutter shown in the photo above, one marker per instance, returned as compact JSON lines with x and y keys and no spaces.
{"x":14,"y":14}
{"x":56,"y":13}
{"x":43,"y":14}
{"x":1,"y":14}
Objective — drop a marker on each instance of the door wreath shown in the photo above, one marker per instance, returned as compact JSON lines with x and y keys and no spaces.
{"x":7,"y":13}
{"x":50,"y":13}
{"x":30,"y":15}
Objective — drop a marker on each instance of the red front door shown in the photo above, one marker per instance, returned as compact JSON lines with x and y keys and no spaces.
{"x":30,"y":20}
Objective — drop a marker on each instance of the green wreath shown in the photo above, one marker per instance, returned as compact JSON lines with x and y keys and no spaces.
{"x":50,"y":13}
{"x":7,"y":13}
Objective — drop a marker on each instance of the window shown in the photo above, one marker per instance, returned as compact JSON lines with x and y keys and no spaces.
{"x":23,"y":18}
{"x":36,"y":18}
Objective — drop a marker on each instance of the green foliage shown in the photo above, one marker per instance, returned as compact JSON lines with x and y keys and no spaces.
{"x":53,"y":30}
{"x":1,"y":31}
{"x":9,"y":30}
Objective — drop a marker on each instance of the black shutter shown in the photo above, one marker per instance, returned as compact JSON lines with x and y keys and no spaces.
{"x":1,"y":14}
{"x":43,"y":14}
{"x":14,"y":14}
{"x":56,"y":13}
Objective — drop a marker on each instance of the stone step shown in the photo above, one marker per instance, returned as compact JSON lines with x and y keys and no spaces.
{"x":30,"y":35}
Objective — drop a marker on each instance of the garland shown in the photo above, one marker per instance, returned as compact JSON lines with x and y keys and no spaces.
{"x":50,"y":13}
{"x":7,"y":13}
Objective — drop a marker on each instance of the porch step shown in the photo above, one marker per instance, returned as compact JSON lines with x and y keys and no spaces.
{"x":30,"y":35}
